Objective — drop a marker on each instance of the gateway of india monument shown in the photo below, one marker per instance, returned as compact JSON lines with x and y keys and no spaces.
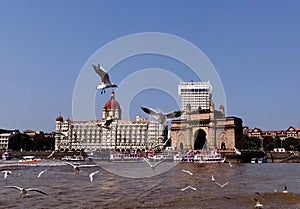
{"x":202,"y":126}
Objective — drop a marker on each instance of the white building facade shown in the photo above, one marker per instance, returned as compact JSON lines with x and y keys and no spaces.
{"x":138,"y":134}
{"x":4,"y":139}
{"x":196,"y":94}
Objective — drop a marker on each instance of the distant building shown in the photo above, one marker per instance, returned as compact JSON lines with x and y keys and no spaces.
{"x":86,"y":136}
{"x":196,"y":94}
{"x":281,"y":134}
{"x":5,"y":135}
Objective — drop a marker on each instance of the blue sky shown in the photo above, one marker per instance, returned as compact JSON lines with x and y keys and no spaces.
{"x":254,"y":46}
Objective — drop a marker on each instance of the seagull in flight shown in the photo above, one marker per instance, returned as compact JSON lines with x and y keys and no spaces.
{"x":217,"y":183}
{"x":105,"y":82}
{"x":189,"y":172}
{"x":160,"y":115}
{"x":6,"y":173}
{"x":106,"y":124}
{"x":258,"y":204}
{"x":51,"y":154}
{"x":236,"y":151}
{"x":76,"y":167}
{"x":189,"y":187}
{"x":162,"y":144}
{"x":154,"y":165}
{"x":221,"y":185}
{"x":41,"y":173}
{"x":24,"y":192}
{"x":285,"y":190}
{"x":91,"y":176}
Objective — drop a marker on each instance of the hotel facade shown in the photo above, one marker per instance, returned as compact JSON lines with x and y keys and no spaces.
{"x":138,"y":134}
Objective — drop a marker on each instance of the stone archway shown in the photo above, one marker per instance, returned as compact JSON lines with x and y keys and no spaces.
{"x":181,"y":146}
{"x":222,"y":141}
{"x":199,"y":139}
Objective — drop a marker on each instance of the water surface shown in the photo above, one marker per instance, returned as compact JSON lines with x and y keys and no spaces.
{"x":65,"y":189}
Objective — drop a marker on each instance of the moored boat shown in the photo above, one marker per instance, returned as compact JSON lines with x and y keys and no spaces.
{"x":259,"y":160}
{"x":73,"y":158}
{"x":203,"y":156}
{"x":125,"y":157}
{"x":167,"y":155}
{"x":29,"y":159}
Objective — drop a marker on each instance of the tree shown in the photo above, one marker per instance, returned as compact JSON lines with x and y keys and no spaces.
{"x":251,"y":143}
{"x":269,"y":143}
{"x":291,"y":143}
{"x":20,"y":142}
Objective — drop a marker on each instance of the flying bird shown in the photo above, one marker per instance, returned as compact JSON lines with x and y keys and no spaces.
{"x":189,"y":187}
{"x":162,"y":144}
{"x":6,"y":173}
{"x":106,"y":124}
{"x":162,"y":116}
{"x":237,"y":152}
{"x":221,"y":185}
{"x":76,"y":167}
{"x":51,"y":154}
{"x":189,"y":172}
{"x":217,"y":183}
{"x":258,"y":204}
{"x":285,"y":190}
{"x":24,"y":192}
{"x":105,"y":82}
{"x":91,"y":176}
{"x":154,"y":165}
{"x":39,"y":175}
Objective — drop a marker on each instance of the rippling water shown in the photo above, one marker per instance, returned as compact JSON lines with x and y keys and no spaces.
{"x":65,"y":189}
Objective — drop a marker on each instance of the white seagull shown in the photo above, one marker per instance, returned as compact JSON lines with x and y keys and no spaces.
{"x":154,"y":165}
{"x":189,"y":187}
{"x":217,"y":183}
{"x":162,"y":144}
{"x":221,"y":185}
{"x":106,"y":124}
{"x":237,"y":152}
{"x":162,"y":116}
{"x":285,"y":190}
{"x":189,"y":172}
{"x":6,"y":173}
{"x":91,"y":175}
{"x":76,"y":167}
{"x":258,"y":204}
{"x":39,"y":175}
{"x":24,"y":192}
{"x":105,"y":82}
{"x":51,"y":154}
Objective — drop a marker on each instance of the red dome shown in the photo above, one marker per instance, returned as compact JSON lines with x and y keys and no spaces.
{"x":59,"y":118}
{"x":112,"y":103}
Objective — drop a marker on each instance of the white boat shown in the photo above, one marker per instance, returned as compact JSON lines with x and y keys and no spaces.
{"x":125,"y":157}
{"x":73,"y":158}
{"x":259,"y":160}
{"x":29,"y":159}
{"x":203,"y":156}
{"x":167,"y":155}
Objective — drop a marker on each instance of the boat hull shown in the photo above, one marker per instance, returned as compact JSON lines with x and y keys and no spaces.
{"x":30,"y":161}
